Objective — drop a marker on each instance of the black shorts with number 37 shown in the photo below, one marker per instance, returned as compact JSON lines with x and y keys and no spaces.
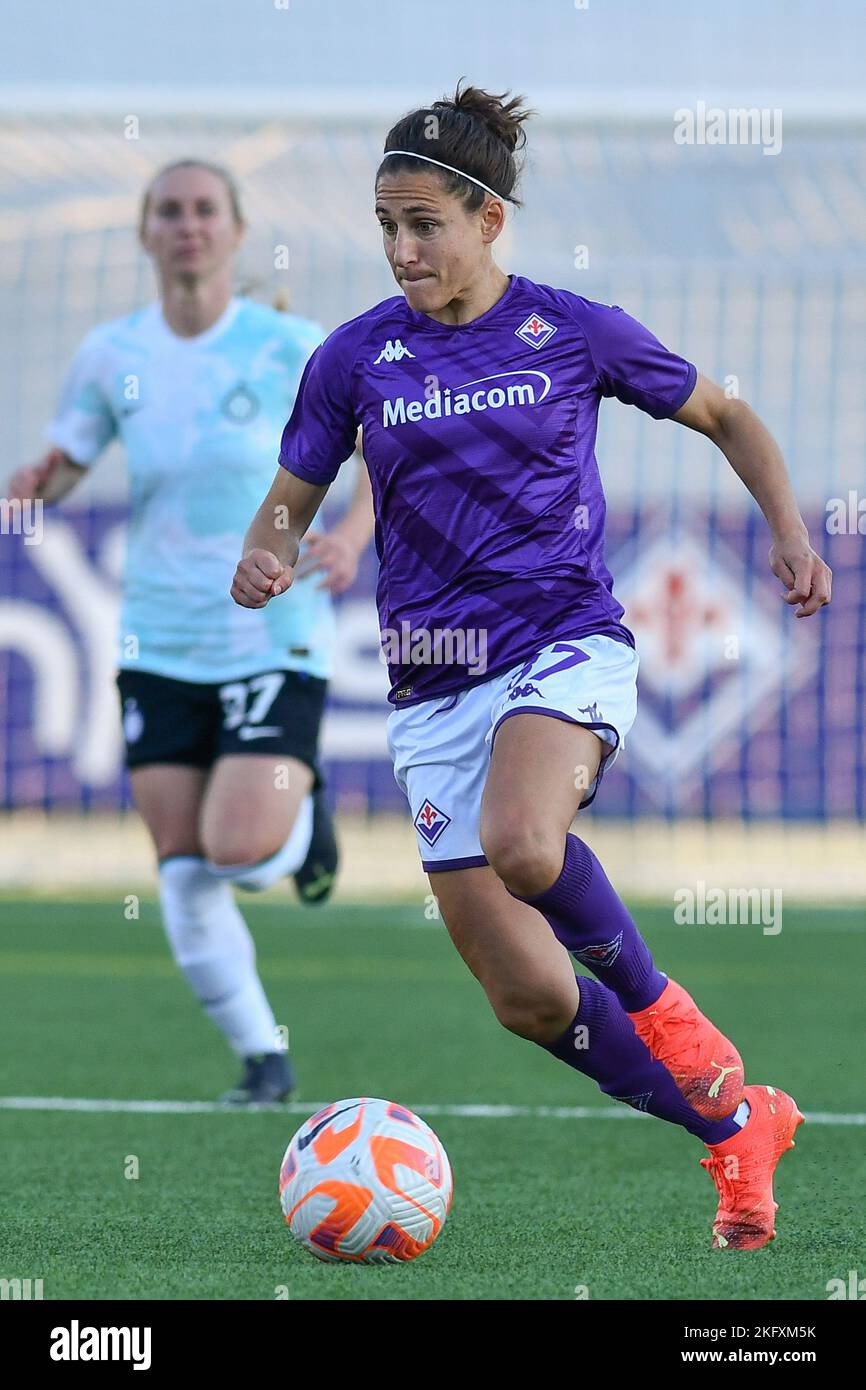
{"x":186,"y":722}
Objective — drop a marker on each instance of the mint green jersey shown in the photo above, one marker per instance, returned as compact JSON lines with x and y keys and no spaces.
{"x":200,"y":419}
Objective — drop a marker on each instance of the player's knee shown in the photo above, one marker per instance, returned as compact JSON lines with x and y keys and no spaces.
{"x":527,"y":856}
{"x":233,"y":846}
{"x":176,"y":845}
{"x":540,"y":1013}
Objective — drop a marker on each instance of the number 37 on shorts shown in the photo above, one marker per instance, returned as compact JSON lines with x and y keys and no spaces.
{"x":441,"y":747}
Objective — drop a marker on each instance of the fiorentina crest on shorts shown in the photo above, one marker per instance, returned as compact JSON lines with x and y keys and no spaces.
{"x":535,"y":331}
{"x":431,"y":822}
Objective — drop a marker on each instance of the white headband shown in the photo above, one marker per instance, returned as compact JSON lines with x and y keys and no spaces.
{"x":413,"y":155}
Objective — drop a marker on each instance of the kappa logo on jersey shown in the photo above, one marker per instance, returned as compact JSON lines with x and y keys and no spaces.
{"x":393,"y":351}
{"x":431,"y":822}
{"x":535,"y":331}
{"x":604,"y":954}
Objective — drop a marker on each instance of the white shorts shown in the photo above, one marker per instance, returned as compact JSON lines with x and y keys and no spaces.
{"x":441,"y":747}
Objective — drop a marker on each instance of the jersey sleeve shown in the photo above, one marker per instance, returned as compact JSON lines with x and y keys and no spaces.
{"x":631,"y":363}
{"x":321,"y":430}
{"x":84,"y":423}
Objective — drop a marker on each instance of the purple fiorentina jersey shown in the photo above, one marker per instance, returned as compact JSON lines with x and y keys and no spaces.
{"x":480,"y":443}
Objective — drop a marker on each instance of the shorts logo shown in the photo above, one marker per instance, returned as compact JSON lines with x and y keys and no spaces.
{"x":522,"y":692}
{"x":604,"y":954}
{"x":133,"y":721}
{"x":535,"y":331}
{"x":592,"y":711}
{"x":431,"y":822}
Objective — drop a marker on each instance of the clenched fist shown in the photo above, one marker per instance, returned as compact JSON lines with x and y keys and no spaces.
{"x":34,"y":479}
{"x":260,"y":576}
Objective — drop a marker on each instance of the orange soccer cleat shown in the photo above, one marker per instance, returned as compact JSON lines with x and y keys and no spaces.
{"x":742,"y":1169}
{"x":705,"y":1065}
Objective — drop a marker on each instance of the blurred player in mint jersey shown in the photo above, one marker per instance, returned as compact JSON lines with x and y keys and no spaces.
{"x":221,"y":709}
{"x":478,"y":393}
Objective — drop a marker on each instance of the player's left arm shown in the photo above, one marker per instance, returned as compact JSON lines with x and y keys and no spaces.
{"x":756,"y":458}
{"x":337,"y":552}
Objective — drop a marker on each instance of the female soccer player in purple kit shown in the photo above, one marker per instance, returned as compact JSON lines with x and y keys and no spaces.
{"x":513,"y":676}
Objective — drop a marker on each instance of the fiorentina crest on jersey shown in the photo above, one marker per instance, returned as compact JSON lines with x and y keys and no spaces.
{"x":431,"y":822}
{"x":535,"y":331}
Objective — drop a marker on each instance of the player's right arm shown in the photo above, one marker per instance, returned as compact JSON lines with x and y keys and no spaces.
{"x":273,"y":540}
{"x":83,"y":425}
{"x":48,"y":480}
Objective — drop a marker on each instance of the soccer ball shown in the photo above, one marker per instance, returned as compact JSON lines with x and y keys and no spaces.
{"x":367,"y":1181}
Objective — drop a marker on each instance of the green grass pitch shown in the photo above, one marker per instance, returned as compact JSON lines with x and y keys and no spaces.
{"x":378,"y":1003}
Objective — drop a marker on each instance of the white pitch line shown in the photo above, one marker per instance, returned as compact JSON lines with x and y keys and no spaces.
{"x":460,"y":1112}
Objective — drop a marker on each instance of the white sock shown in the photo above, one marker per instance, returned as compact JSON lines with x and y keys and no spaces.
{"x":212,"y":945}
{"x":289,"y":858}
{"x":742,"y":1113}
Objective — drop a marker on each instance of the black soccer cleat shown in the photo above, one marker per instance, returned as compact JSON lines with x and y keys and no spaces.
{"x":267,"y":1079}
{"x":315,"y":878}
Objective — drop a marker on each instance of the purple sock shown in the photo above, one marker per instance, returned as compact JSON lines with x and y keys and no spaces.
{"x":590,"y":919}
{"x":601,"y":1042}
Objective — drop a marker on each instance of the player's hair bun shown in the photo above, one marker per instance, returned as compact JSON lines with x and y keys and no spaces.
{"x":474,"y":131}
{"x":504,"y":118}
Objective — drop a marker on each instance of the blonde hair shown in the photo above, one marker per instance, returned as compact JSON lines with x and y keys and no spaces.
{"x":221,"y":172}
